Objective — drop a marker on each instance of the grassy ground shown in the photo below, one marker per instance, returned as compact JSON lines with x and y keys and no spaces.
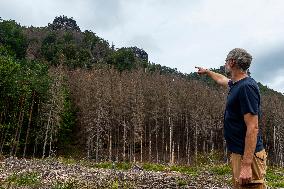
{"x":216,"y":173}
{"x":274,"y":176}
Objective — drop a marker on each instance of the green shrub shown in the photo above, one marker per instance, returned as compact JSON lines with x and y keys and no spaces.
{"x":181,"y":182}
{"x":24,"y":179}
{"x":193,"y":171}
{"x":275,"y":177}
{"x":104,"y":165}
{"x":153,"y":167}
{"x":70,"y":184}
{"x":123,"y":165}
{"x":115,"y":185}
{"x":67,"y":161}
{"x":221,"y":169}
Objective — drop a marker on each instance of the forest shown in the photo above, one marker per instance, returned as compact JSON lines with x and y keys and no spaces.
{"x":67,"y":92}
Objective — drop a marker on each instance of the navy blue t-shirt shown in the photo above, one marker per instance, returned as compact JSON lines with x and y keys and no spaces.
{"x":243,"y":97}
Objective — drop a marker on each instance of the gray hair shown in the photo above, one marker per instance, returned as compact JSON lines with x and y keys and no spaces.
{"x":242,"y":58}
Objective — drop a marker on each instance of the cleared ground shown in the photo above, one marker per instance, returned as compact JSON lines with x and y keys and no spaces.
{"x":59,"y":173}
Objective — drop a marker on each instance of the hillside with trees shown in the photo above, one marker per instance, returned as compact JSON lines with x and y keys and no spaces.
{"x":68,"y":92}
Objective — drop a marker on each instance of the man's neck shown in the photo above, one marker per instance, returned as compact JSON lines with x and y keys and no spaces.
{"x":238,"y":75}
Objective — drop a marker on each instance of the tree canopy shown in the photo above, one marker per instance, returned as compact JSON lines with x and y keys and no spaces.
{"x":64,"y":23}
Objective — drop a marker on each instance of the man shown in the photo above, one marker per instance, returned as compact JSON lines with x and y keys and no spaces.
{"x":243,"y":138}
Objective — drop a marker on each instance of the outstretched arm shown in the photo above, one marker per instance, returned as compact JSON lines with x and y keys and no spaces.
{"x":219,"y":78}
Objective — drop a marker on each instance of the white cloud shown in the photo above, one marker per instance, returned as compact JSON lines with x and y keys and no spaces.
{"x":277,"y":81}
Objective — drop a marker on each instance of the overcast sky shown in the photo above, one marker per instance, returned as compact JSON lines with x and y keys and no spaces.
{"x":176,"y":33}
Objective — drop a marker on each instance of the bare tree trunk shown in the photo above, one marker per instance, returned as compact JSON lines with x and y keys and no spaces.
{"x":188,"y":153}
{"x":150,"y":145}
{"x":141,"y":149}
{"x":2,"y":134}
{"x":150,"y":149}
{"x":29,"y":124}
{"x":225,"y":150}
{"x":280,"y":154}
{"x":166,"y":154}
{"x":171,"y":138}
{"x":196,"y":147}
{"x":15,"y":139}
{"x":51,"y":139}
{"x":35,"y":146}
{"x":46,"y":134}
{"x":157,"y":150}
{"x":211,"y":140}
{"x":117,"y":144}
{"x":134,"y":141}
{"x":88,"y":147}
{"x":163,"y":143}
{"x":274,"y":138}
{"x":124,"y":139}
{"x":37,"y":125}
{"x":97,"y":143}
{"x":145,"y":138}
{"x":19,"y":134}
{"x":110,"y":146}
{"x":204,"y":146}
{"x":98,"y":130}
{"x":178,"y":153}
{"x":129,"y":151}
{"x":131,"y":146}
{"x":173,"y":154}
{"x":3,"y":141}
{"x":187,"y":147}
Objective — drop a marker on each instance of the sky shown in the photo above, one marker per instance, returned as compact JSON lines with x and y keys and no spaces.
{"x":179,"y":34}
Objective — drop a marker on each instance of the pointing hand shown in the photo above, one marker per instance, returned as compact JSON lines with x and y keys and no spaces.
{"x":201,"y":71}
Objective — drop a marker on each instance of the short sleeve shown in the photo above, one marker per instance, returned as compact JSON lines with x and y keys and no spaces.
{"x":230,"y":83}
{"x":249,"y":99}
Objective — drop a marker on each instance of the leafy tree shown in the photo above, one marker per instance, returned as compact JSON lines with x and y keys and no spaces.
{"x":50,"y":39}
{"x":122,"y":59}
{"x":90,"y":39}
{"x":49,"y":48}
{"x":68,"y":37}
{"x":35,"y":75}
{"x":9,"y":69}
{"x":68,"y":120}
{"x":12,"y":37}
{"x":22,"y":84}
{"x":140,"y":53}
{"x":70,"y":51}
{"x":5,"y":52}
{"x":64,"y":23}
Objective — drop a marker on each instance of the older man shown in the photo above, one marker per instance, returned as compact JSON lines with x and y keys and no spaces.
{"x":243,"y":138}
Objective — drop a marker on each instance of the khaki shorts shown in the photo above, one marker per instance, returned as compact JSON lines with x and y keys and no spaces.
{"x":258,"y":170}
